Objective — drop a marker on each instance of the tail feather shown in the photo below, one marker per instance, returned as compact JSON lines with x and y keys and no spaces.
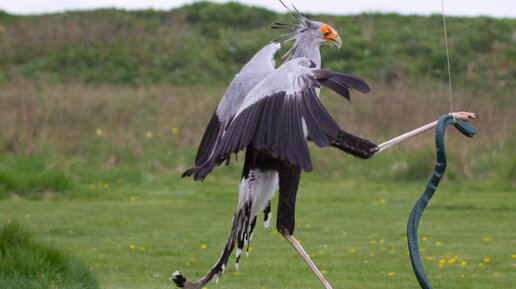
{"x":241,"y":231}
{"x":256,"y":190}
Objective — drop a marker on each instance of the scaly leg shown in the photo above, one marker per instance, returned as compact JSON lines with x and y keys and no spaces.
{"x":289,"y":177}
{"x":308,"y":261}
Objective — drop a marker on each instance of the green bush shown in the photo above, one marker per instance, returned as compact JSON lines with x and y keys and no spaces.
{"x":208,"y":43}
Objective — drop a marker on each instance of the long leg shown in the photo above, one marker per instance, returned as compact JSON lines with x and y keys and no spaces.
{"x":289,"y":177}
{"x":308,"y":261}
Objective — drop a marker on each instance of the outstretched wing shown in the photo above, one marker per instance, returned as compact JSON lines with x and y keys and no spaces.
{"x":280,"y":113}
{"x":258,"y":68}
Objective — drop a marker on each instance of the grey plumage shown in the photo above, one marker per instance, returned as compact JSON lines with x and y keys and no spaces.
{"x":275,"y":114}
{"x":272,"y":112}
{"x":260,"y":66}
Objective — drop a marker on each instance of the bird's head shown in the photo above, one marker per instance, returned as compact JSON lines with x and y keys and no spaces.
{"x":308,"y":30}
{"x":329,"y":35}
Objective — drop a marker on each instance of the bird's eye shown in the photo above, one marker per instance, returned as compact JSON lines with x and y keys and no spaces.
{"x":327,"y":33}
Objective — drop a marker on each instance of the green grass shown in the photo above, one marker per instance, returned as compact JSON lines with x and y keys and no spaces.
{"x":31,"y":176}
{"x":93,"y":138}
{"x":27,"y":263}
{"x":354,"y":230}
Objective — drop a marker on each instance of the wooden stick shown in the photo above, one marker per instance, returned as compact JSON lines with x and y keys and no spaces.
{"x":383,"y":146}
{"x":405,"y":136}
{"x":306,"y":258}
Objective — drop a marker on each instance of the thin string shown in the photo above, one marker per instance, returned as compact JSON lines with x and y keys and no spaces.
{"x":447,"y":56}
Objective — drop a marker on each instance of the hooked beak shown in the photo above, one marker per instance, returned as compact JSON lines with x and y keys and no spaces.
{"x":337,"y":42}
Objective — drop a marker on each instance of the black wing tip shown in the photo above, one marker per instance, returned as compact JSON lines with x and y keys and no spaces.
{"x":367,"y":88}
{"x":341,"y":81}
{"x":198,"y":173}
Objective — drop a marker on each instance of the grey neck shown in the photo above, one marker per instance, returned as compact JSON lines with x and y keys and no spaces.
{"x":306,"y":46}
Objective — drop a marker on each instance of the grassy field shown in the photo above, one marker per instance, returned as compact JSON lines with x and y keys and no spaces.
{"x":101,"y":111}
{"x":95,"y":171}
{"x":135,"y":238}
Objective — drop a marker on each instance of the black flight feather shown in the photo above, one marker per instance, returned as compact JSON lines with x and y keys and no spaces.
{"x":211,"y":134}
{"x":341,"y":82}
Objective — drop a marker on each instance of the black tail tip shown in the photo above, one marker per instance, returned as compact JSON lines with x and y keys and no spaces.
{"x":178,"y":279}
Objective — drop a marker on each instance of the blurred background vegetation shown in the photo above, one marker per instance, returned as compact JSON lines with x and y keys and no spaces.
{"x":91,"y":96}
{"x":101,"y":111}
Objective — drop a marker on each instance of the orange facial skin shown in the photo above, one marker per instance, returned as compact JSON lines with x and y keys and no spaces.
{"x":328,"y":33}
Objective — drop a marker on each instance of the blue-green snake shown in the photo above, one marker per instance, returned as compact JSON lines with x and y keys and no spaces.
{"x":417,"y":211}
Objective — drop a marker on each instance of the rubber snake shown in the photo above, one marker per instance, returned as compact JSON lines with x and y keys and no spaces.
{"x":417,"y":211}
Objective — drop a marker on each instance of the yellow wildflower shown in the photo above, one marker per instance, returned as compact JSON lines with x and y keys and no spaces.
{"x":132,"y":199}
{"x":149,"y":134}
{"x":452,"y":260}
{"x":514,"y":256}
{"x":132,"y":246}
{"x":174,"y":130}
{"x":204,"y":246}
{"x":352,"y":250}
{"x":463,"y":263}
{"x":487,"y":260}
{"x":424,"y":239}
{"x":142,"y":249}
{"x":99,"y":132}
{"x":438,"y":244}
{"x":391,"y":274}
{"x":487,"y":239}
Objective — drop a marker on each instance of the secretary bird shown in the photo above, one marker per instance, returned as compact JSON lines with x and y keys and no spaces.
{"x":271,"y":113}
